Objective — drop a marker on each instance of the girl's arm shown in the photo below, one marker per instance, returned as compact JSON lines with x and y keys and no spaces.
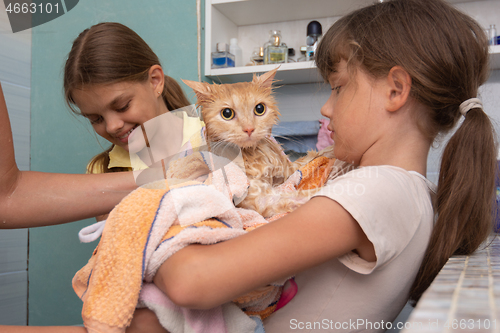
{"x":204,"y":276}
{"x":31,"y":199}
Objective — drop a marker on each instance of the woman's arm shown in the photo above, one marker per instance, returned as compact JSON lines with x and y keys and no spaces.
{"x":32,"y":199}
{"x":204,"y":276}
{"x":42,"y":329}
{"x":144,"y":321}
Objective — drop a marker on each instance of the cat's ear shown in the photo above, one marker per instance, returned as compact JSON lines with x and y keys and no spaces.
{"x":201,"y":89}
{"x":266,"y":79}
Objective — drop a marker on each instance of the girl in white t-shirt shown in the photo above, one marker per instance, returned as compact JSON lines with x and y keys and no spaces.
{"x":401,"y":72}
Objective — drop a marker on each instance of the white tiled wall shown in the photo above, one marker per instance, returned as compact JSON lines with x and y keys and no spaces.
{"x":15,"y":76}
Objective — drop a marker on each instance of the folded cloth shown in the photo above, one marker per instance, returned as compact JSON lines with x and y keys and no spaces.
{"x":324,"y":135}
{"x":151,"y":224}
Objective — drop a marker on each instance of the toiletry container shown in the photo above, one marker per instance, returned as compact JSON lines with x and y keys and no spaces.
{"x":314,"y":33}
{"x":257,"y":57}
{"x":275,"y":51}
{"x":222,"y":58}
{"x":492,"y":35}
{"x":235,"y":50}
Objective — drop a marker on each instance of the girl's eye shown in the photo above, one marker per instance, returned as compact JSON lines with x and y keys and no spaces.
{"x":123,"y":109}
{"x":227,"y":114}
{"x":260,"y":109}
{"x":96,"y":120}
{"x":336,"y":89}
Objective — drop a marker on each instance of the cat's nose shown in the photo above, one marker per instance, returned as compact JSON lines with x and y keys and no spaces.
{"x":249,"y":131}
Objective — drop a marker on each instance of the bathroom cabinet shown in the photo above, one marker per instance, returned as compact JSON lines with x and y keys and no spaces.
{"x":250,"y":21}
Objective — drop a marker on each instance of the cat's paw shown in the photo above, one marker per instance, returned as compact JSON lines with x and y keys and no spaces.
{"x":191,"y":167}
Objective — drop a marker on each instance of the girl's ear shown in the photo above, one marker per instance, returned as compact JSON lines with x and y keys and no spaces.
{"x":399,"y":87}
{"x":201,"y":89}
{"x":157,"y":78}
{"x":266,"y":79}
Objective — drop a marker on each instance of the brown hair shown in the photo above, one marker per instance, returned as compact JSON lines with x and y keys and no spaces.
{"x":108,"y":53}
{"x":446,"y":54}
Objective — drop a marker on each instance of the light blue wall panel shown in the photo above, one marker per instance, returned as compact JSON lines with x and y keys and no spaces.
{"x":18,"y":103}
{"x":15,"y":68}
{"x":13,"y":295}
{"x":63,"y":143}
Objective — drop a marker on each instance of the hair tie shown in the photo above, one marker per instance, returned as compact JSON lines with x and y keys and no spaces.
{"x":469,"y":104}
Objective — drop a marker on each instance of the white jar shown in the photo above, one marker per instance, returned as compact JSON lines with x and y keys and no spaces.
{"x":235,"y":50}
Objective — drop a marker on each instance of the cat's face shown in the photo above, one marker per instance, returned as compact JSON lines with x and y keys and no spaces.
{"x":241,"y":113}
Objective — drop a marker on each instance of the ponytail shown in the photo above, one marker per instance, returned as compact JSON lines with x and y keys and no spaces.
{"x":100,"y":162}
{"x":446,"y":54}
{"x":465,"y":197}
{"x":173,"y":94}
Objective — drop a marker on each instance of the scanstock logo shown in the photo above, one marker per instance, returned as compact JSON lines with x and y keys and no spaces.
{"x":26,"y":14}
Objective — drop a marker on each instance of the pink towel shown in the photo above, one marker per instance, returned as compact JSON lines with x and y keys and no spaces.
{"x":324,"y":138}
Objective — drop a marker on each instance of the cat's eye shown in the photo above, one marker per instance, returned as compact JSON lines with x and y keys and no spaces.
{"x":260,"y":109}
{"x":227,"y":114}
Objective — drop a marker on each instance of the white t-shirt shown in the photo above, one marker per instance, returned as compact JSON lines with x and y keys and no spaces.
{"x":348,"y":294}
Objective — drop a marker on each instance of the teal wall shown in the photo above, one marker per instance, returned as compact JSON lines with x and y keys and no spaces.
{"x":60,"y":142}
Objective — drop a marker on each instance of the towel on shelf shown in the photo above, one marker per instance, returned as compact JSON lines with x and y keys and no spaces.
{"x":297,"y":136}
{"x":155,"y":221}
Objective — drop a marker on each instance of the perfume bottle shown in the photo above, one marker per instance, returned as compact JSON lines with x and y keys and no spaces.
{"x":222,"y":58}
{"x":314,"y":33}
{"x":257,"y":57}
{"x":492,"y":35}
{"x":275,"y":51}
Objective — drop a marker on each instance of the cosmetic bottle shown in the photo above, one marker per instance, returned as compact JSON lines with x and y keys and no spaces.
{"x":222,"y":58}
{"x":275,"y":51}
{"x":235,"y":50}
{"x":492,"y":37}
{"x":314,"y":33}
{"x":257,"y":57}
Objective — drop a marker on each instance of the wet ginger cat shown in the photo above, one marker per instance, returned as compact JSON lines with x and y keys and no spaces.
{"x":243,"y":114}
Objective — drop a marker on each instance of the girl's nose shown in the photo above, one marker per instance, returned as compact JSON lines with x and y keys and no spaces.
{"x":113,"y":124}
{"x":327,"y":108}
{"x":324,"y":110}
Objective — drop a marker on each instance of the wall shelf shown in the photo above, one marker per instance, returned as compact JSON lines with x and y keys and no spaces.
{"x":225,"y":17}
{"x":495,"y":57}
{"x":290,"y":73}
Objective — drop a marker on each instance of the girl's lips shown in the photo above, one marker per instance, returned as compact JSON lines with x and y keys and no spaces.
{"x":332,"y":132}
{"x":124,"y":138}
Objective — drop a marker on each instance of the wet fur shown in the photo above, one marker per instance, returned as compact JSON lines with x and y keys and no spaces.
{"x":266,"y":165}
